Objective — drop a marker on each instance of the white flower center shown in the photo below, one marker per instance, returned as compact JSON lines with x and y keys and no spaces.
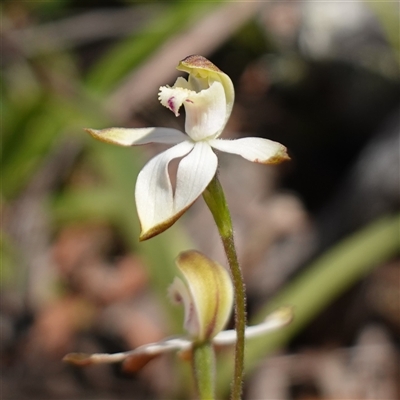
{"x":205,"y":110}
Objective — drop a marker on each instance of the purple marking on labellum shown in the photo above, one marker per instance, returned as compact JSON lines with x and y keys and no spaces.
{"x":171,"y":104}
{"x":189,"y":101}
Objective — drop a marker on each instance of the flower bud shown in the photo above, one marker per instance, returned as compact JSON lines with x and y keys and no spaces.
{"x":206,"y":293}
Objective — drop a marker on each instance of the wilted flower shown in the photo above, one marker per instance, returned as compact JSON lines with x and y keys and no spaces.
{"x":208,"y":97}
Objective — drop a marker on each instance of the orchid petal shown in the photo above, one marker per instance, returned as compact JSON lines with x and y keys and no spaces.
{"x":137,"y":136}
{"x":254,"y":149}
{"x":134,"y":359}
{"x":143,"y":354}
{"x":278,"y":319}
{"x":179,"y":294}
{"x":194,"y":174}
{"x":208,"y":296}
{"x":154,"y":194}
{"x":205,"y":112}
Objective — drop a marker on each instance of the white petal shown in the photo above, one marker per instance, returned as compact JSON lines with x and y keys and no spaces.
{"x":151,"y":350}
{"x":182,"y":83}
{"x":278,"y":319}
{"x":258,"y":150}
{"x":171,"y":344}
{"x":137,"y":136}
{"x":206,"y":112}
{"x":194,"y":174}
{"x":153,"y":193}
{"x":179,"y":294}
{"x":139,"y":357}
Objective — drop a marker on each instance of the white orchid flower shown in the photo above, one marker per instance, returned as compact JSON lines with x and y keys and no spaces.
{"x":206,"y":293}
{"x":208,"y":97}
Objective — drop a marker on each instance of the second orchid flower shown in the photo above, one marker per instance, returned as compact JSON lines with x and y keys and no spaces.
{"x":206,"y":294}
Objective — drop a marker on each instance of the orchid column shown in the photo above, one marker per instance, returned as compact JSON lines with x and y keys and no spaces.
{"x":208,"y":97}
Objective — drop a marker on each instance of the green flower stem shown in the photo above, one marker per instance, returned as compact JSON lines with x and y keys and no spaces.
{"x":215,"y":200}
{"x":204,"y":370}
{"x":326,"y":278}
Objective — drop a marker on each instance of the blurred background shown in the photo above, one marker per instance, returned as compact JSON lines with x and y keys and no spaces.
{"x":319,"y":232}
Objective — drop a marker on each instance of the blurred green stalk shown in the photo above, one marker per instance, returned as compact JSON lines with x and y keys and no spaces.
{"x":323,"y":281}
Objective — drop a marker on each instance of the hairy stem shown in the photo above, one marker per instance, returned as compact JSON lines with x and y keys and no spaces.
{"x":215,"y":199}
{"x":204,"y":370}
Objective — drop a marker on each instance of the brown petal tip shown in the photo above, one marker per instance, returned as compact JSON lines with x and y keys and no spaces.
{"x":136,"y":362}
{"x":279,"y":157}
